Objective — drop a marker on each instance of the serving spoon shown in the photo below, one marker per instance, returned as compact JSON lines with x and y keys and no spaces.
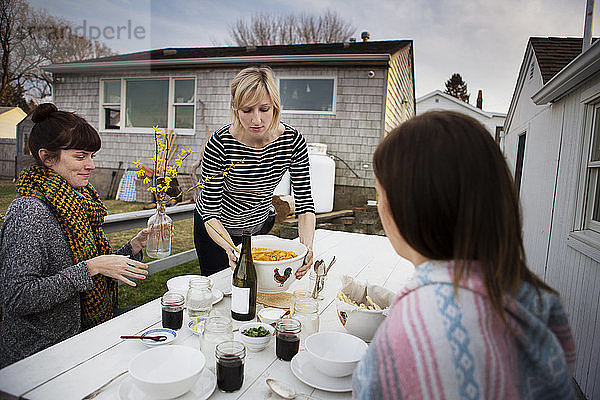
{"x":160,"y":338}
{"x":283,"y":390}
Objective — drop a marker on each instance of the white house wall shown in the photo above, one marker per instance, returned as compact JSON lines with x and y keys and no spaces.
{"x":575,"y":275}
{"x":444,"y":104}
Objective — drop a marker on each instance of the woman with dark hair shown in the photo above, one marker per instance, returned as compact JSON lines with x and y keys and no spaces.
{"x":474,"y":322}
{"x":57,"y":275}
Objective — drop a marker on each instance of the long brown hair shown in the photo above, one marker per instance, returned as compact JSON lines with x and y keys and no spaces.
{"x":452,"y":197}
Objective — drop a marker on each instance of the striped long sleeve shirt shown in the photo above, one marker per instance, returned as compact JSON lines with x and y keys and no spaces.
{"x":241,"y":199}
{"x":438,"y":345}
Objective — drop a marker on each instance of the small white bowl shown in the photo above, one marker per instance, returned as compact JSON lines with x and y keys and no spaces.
{"x":270,"y":315}
{"x":335,"y":354}
{"x":256,"y":343}
{"x":168,"y":371}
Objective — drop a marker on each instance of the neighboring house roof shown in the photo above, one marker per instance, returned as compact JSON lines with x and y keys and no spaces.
{"x":552,"y":54}
{"x":318,"y":53}
{"x":6,"y":109}
{"x":466,"y":105}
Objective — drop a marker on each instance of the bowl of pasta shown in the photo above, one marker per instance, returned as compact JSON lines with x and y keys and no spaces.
{"x":276,"y":261}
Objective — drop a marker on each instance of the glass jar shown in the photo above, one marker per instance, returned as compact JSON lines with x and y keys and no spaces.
{"x":316,"y":284}
{"x":230,"y":358}
{"x":306,"y":310}
{"x":216,"y":330}
{"x":298,"y":294}
{"x":172,"y":310}
{"x":199,"y":297}
{"x":287,"y":341}
{"x":158,"y":244}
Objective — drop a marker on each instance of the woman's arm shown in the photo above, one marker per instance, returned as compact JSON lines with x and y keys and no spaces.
{"x":306,"y":231}
{"x":212,"y":226}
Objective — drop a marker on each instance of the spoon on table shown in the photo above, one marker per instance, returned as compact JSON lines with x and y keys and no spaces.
{"x":160,"y":338}
{"x":285,"y":391}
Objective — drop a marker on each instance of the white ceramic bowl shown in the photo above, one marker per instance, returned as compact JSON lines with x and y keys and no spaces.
{"x":256,"y":343}
{"x":270,"y":315}
{"x":334,"y":353}
{"x":277,"y":276}
{"x":168,"y":371}
{"x":359,"y":321}
{"x":181,"y":284}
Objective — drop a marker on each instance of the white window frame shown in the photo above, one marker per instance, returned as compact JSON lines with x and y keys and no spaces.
{"x":170,"y":110}
{"x":322,"y":77}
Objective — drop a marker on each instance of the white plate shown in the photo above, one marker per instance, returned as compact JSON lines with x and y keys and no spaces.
{"x":199,"y":327}
{"x":217,"y":295}
{"x":307,"y":373}
{"x":202,"y":389}
{"x":169,"y":333}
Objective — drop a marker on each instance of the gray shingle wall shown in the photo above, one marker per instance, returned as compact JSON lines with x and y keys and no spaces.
{"x":351,"y":134}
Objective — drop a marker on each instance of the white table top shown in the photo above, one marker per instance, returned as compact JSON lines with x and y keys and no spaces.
{"x":79,"y":365}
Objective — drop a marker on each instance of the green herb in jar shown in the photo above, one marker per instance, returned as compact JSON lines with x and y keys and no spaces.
{"x":256,"y":332}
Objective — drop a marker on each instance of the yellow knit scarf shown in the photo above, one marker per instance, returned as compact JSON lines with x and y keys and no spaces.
{"x":80,"y":213}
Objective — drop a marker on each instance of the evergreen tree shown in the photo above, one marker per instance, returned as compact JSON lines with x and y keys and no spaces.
{"x":456,"y":87}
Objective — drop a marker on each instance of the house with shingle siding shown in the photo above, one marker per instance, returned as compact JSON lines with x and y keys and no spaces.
{"x":552,"y":142}
{"x":345,"y":95}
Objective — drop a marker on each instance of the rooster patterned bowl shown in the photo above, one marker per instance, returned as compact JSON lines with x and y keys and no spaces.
{"x":277,"y":276}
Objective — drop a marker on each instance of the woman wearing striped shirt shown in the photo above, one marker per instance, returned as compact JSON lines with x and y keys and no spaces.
{"x":261,"y":149}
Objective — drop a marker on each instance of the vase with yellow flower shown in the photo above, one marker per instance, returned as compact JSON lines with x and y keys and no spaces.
{"x":161,"y":184}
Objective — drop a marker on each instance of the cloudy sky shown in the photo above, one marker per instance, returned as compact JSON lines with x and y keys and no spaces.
{"x":483,"y":40}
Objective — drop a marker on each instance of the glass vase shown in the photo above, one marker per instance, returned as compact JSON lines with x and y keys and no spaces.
{"x":161,"y":233}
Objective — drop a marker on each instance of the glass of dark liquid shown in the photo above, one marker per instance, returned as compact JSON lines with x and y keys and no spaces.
{"x":230,"y":357}
{"x":287,"y":341}
{"x":172,"y":310}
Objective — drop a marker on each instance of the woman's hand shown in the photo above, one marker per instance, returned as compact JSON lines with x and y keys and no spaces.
{"x":138,"y":243}
{"x":232,"y":257}
{"x":308,"y":260}
{"x":118,"y":267}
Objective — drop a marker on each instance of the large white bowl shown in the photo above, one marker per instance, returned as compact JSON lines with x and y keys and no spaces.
{"x":359,"y":321}
{"x":335,"y":353}
{"x":168,"y":371}
{"x":256,"y":343}
{"x":277,"y":276}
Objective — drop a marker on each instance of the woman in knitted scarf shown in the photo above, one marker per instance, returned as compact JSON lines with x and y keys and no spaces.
{"x":57,"y":274}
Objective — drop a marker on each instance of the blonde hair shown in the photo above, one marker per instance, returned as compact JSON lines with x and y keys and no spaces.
{"x":249,"y":87}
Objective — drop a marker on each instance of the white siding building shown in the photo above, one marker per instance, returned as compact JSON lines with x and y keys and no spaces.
{"x":552,"y":142}
{"x":438,"y":100}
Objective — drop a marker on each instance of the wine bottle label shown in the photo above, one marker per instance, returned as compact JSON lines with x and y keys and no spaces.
{"x":240,"y":300}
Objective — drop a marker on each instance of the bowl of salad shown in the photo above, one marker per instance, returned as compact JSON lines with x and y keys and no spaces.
{"x":256,"y":335}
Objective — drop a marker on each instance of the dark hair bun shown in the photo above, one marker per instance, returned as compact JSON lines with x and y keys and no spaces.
{"x":42,"y":112}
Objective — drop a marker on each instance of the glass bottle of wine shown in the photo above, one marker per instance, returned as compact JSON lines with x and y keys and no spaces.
{"x":244,"y":284}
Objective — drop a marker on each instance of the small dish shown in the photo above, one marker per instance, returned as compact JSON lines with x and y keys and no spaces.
{"x":199,"y":327}
{"x":202,"y":389}
{"x":217,"y":295}
{"x":308,"y":374}
{"x":169,"y":333}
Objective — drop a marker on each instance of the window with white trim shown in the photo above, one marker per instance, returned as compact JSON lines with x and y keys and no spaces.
{"x":138,"y":104}
{"x":307,"y":95}
{"x":592,"y":195}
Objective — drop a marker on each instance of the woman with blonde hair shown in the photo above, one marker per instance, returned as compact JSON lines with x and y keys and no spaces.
{"x":240,"y":200}
{"x":474,"y":322}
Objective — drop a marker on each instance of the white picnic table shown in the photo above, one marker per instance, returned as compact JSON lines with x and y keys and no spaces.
{"x":77,"y":366}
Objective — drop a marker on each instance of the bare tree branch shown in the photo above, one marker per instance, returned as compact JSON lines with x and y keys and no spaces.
{"x":270,"y":29}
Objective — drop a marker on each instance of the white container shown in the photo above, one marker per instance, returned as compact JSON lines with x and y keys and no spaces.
{"x":322,"y":177}
{"x":283,"y":188}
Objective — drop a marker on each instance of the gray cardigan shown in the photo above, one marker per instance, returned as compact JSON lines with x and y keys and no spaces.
{"x":40,"y":285}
